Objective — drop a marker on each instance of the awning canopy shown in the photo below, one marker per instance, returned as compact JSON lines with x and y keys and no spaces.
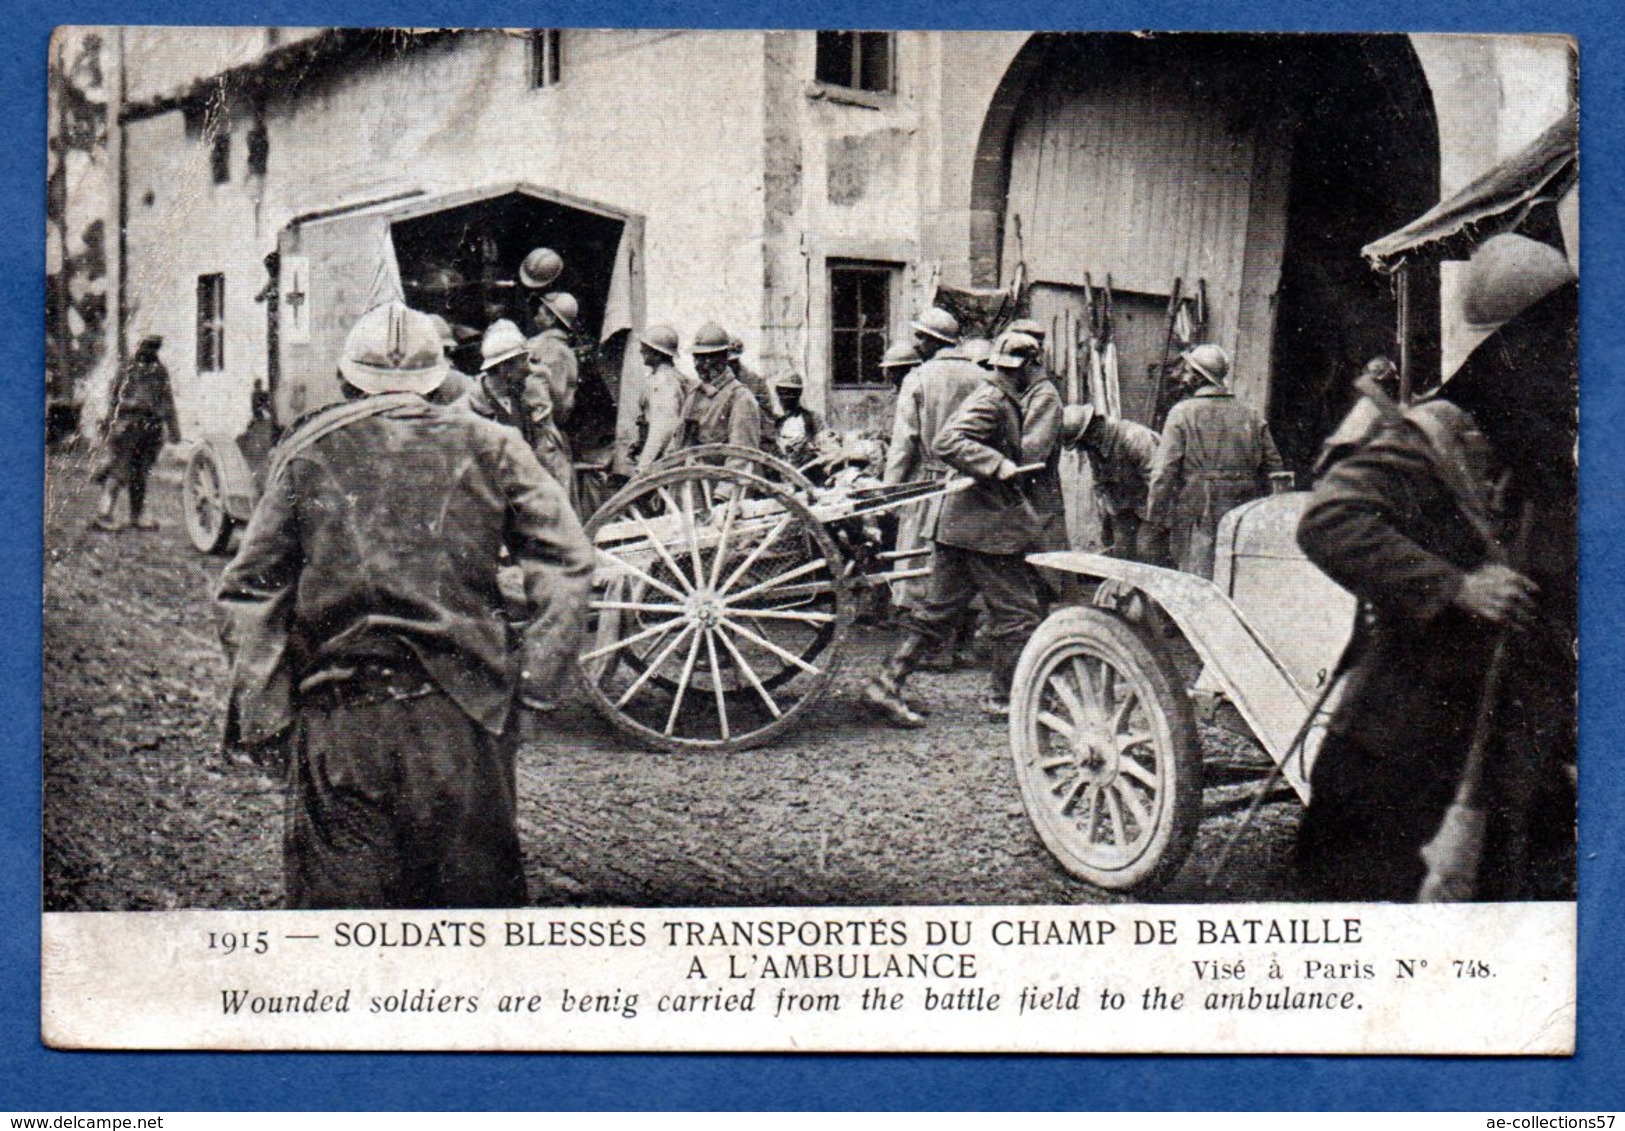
{"x":1499,"y":201}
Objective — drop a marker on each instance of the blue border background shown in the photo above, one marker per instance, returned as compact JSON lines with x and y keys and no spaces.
{"x":32,"y":1077}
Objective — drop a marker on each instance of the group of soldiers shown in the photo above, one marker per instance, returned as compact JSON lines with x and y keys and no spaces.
{"x":998,"y":417}
{"x":369,"y":637}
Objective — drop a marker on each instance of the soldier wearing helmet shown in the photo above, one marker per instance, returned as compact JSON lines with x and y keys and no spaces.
{"x":930,"y":394}
{"x":550,"y":392}
{"x":369,"y":637}
{"x":719,"y":410}
{"x":899,"y":361}
{"x":660,"y":408}
{"x":540,"y":269}
{"x":766,"y":399}
{"x":140,"y":418}
{"x":1216,"y":453}
{"x":982,"y":536}
{"x":1121,"y":454}
{"x":796,"y":433}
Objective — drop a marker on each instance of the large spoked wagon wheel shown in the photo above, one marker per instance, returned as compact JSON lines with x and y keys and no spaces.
{"x":752,"y":460}
{"x":718,"y":609}
{"x":1105,"y":751}
{"x":203,"y":501}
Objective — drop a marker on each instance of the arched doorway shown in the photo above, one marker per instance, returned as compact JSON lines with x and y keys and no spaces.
{"x":1245,"y":170}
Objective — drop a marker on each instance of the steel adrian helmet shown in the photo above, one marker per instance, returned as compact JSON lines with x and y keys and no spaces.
{"x":736,"y":347}
{"x":979,"y":350}
{"x":788,"y":381}
{"x":903,"y":355}
{"x":1029,"y":327}
{"x":502,"y":342}
{"x":937,"y":323}
{"x":393,"y":349}
{"x":1210,"y":362}
{"x":1013,"y":350}
{"x":563,"y":306}
{"x":1075,"y":421}
{"x":540,"y":268}
{"x":662,"y":339}
{"x":710,"y":338}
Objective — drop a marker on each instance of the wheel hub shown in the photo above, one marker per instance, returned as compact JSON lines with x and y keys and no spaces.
{"x":1096,"y":754}
{"x":705,"y":609}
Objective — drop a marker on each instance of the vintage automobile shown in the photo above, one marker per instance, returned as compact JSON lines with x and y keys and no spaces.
{"x":1102,"y":715}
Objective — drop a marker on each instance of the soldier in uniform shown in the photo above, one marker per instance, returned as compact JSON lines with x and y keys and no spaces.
{"x":981,"y":536}
{"x":1215,"y":454}
{"x":366,"y":629}
{"x":550,"y":393}
{"x":930,"y":395}
{"x":1121,"y":456}
{"x":142,"y":415}
{"x":898,"y":362}
{"x":767,"y":401}
{"x":499,"y":394}
{"x":1041,"y":419}
{"x":1421,"y":522}
{"x":660,"y":409}
{"x":719,"y":410}
{"x":796,"y":436}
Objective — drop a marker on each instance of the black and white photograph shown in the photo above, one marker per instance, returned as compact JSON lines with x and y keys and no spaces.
{"x":1052,"y":478}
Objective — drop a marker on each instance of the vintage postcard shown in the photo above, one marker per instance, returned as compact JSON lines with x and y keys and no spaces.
{"x":810,"y":540}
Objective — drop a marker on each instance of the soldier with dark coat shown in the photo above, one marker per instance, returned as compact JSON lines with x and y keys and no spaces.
{"x":930,"y":395}
{"x":981,"y":536}
{"x":1121,"y":455}
{"x":367,"y":631}
{"x":1418,"y":522}
{"x":1215,"y":454}
{"x":1041,"y":418}
{"x":767,"y":402}
{"x":141,"y":416}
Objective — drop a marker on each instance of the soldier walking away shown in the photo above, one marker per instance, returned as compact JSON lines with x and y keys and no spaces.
{"x":367,"y":632}
{"x":141,"y":416}
{"x":798,"y":427}
{"x":1215,"y":454}
{"x":660,"y":408}
{"x":1121,"y":455}
{"x":981,"y":536}
{"x":929,"y":397}
{"x":719,"y":409}
{"x":550,"y":392}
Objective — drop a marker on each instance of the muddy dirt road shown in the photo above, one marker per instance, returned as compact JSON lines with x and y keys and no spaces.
{"x":142,"y":810}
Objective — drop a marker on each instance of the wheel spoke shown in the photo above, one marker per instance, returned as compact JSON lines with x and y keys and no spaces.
{"x":682,"y":684}
{"x":628,"y":641}
{"x":716,"y":682}
{"x":1114,"y":810}
{"x":1139,"y":773}
{"x":788,"y":575}
{"x":1136,"y":807}
{"x":1120,"y":717}
{"x":647,"y":579}
{"x":1068,"y":695}
{"x":756,"y":552}
{"x":1056,"y":763}
{"x":659,"y":662}
{"x":638,"y":607}
{"x":1087,"y":689}
{"x":1132,"y":739}
{"x":750,"y":675}
{"x":659,"y":548}
{"x":686,"y":513}
{"x":1057,"y":724}
{"x":763,"y":642}
{"x":721,"y":554}
{"x":786,"y":614}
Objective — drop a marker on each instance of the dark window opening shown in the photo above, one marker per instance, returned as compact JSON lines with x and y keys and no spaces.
{"x":259,"y":148}
{"x":860,"y":321}
{"x":861,"y":60}
{"x":546,"y":56}
{"x":211,"y":323}
{"x":220,"y":157}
